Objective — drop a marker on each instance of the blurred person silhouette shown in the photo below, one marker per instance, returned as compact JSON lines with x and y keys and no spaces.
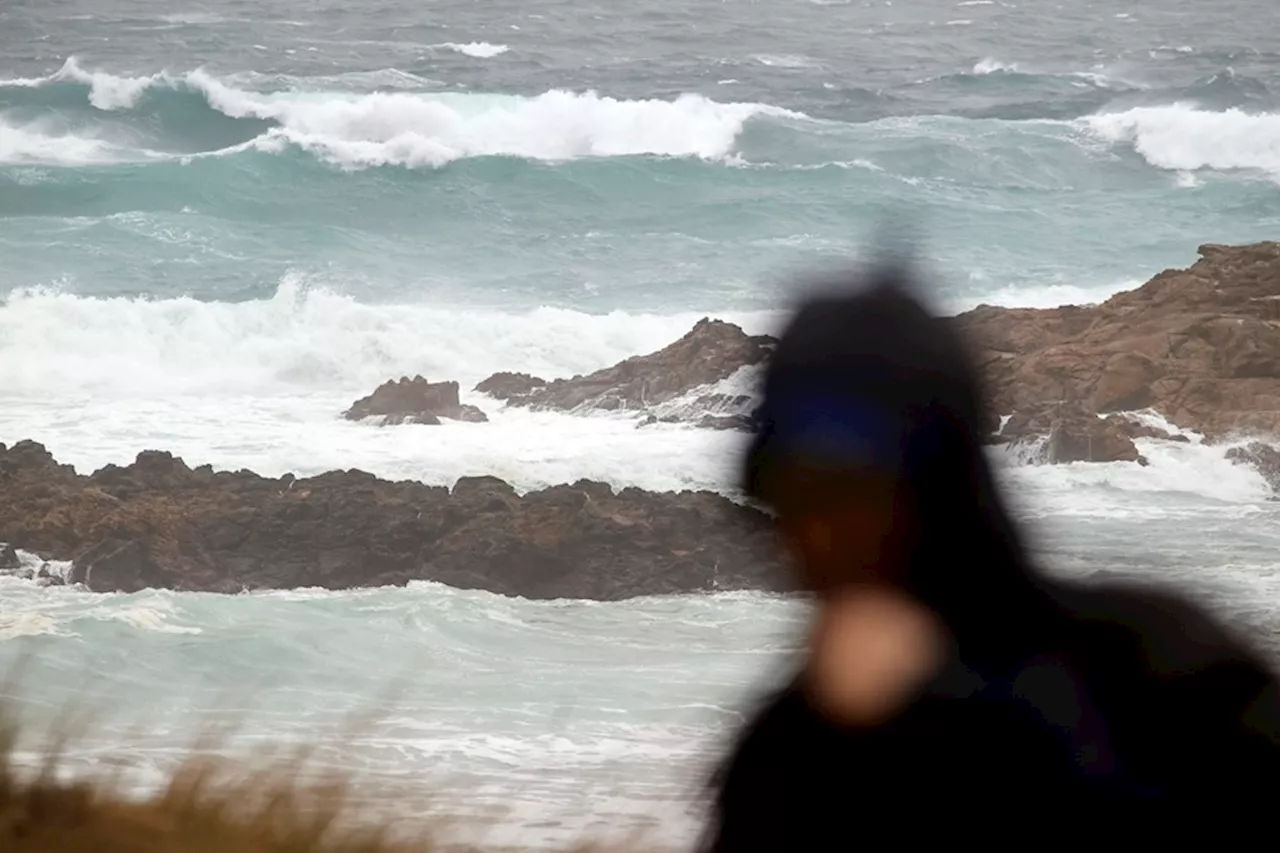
{"x":949,"y":691}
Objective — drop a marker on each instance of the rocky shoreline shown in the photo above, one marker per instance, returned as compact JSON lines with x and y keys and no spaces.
{"x":1199,"y":347}
{"x":159,"y":523}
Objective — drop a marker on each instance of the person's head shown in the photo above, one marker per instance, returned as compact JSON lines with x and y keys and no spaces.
{"x":868,"y":448}
{"x":844,"y":526}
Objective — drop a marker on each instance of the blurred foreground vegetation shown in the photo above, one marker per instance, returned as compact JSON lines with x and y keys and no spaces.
{"x":210,"y":804}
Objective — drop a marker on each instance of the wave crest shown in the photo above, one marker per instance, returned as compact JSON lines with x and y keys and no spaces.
{"x":403,"y":127}
{"x":1184,"y":138}
{"x":476,"y":49}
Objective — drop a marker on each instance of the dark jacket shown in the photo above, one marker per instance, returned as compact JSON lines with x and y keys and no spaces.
{"x":1066,"y":714}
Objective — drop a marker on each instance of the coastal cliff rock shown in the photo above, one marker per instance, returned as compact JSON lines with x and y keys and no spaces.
{"x":414,"y":401}
{"x":711,"y":352}
{"x":1200,"y":346}
{"x":160,"y":523}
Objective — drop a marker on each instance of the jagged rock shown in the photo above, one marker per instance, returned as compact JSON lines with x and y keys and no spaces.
{"x":8,"y":558}
{"x":743,"y":423}
{"x":414,"y":401}
{"x":1136,"y":429}
{"x":1092,"y":440}
{"x":1200,"y":346}
{"x":1264,"y":457}
{"x":1074,"y":434}
{"x":711,"y":352}
{"x":510,"y":386}
{"x":159,"y":523}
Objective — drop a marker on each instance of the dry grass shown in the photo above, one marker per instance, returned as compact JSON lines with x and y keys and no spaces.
{"x":209,"y":805}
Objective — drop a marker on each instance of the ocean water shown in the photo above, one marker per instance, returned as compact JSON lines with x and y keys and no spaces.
{"x":221,"y":222}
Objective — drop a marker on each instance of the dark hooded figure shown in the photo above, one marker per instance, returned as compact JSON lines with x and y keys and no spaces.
{"x":949,"y":691}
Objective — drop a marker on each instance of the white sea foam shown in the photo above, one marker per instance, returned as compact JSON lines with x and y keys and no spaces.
{"x":1047,"y":295}
{"x":347,"y":81}
{"x":301,"y":338}
{"x":37,"y":143}
{"x":475,"y":49}
{"x":1183,"y":138}
{"x":107,"y":91}
{"x":261,"y":385}
{"x":203,"y":18}
{"x":431,"y":129}
{"x":785,"y":60}
{"x":990,"y":65}
{"x":416,"y":128}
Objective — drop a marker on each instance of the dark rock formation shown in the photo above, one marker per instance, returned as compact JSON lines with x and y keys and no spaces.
{"x":511,"y":386}
{"x":711,"y":352}
{"x":414,"y":401}
{"x":1074,"y":434}
{"x":717,"y":422}
{"x":8,"y":558}
{"x":159,"y":523}
{"x":1263,"y":457}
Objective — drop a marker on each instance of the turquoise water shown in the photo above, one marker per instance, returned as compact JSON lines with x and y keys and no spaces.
{"x":220,"y":223}
{"x":564,"y":154}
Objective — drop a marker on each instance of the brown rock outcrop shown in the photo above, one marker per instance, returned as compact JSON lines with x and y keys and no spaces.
{"x":1070,"y":432}
{"x":414,"y":401}
{"x":159,"y":523}
{"x":510,"y":386}
{"x":1201,"y":346}
{"x":711,"y":352}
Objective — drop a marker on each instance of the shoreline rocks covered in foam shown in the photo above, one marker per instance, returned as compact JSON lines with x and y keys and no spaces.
{"x":654,"y":384}
{"x":158,"y":523}
{"x":414,"y":401}
{"x":1199,"y":347}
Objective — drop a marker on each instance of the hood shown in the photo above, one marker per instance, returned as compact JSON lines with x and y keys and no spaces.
{"x":866,"y":375}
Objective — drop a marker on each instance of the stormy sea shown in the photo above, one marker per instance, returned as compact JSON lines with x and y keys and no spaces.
{"x":223,"y":221}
